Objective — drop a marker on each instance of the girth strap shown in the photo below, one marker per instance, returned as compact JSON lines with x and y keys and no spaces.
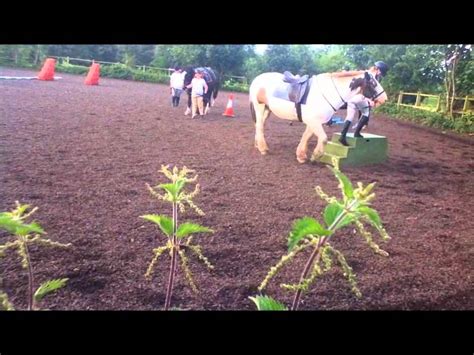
{"x":303,"y":100}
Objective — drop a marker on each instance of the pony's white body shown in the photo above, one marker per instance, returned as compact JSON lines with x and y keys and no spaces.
{"x":286,"y":109}
{"x":327,"y":93}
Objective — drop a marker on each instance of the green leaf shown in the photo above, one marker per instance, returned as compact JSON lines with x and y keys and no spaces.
{"x":331,"y":212}
{"x":174,"y":188}
{"x":187,"y":228}
{"x":334,"y":210}
{"x":48,"y":287}
{"x":164,"y":222}
{"x":17,"y":227}
{"x":265,"y":303}
{"x":8,"y":224}
{"x":372,"y":215}
{"x":180,"y":184}
{"x":170,"y":188}
{"x":28,"y":228}
{"x":303,"y":227}
{"x":347,"y":188}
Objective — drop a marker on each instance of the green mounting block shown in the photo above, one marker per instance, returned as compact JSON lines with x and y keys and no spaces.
{"x":371,"y":149}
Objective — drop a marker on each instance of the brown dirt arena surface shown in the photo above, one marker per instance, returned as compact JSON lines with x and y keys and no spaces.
{"x":83,"y":155}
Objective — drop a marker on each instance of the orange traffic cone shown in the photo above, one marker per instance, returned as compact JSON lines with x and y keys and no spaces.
{"x":93,"y":75}
{"x":47,"y":72}
{"x":229,"y":111}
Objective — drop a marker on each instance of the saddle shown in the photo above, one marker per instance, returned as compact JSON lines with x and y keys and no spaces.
{"x":297,"y":90}
{"x":206,"y":74}
{"x":297,"y":87}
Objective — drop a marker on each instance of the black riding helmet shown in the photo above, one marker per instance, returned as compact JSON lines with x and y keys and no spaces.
{"x":382,"y":66}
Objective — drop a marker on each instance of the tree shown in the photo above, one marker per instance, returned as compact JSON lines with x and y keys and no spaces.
{"x":108,"y":53}
{"x":162,"y":57}
{"x":228,"y":58}
{"x":454,"y":54}
{"x":331,"y":59}
{"x":304,"y":58}
{"x":278,"y":58}
{"x":136,"y":54}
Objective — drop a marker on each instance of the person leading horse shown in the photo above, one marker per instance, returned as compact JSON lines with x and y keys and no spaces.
{"x":212,"y":81}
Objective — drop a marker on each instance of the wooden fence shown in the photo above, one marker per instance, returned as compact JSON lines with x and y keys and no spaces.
{"x":144,"y":68}
{"x":467,"y":107}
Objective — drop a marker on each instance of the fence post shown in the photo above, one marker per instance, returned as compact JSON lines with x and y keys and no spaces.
{"x":400,"y":96}
{"x":466,"y":100}
{"x":418,"y":97}
{"x":438,"y":106}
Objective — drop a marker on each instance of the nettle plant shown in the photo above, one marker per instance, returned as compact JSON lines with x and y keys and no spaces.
{"x":179,"y":236}
{"x":24,"y":235}
{"x":308,"y":233}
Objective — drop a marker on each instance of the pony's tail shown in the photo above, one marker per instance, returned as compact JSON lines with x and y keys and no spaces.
{"x":252,"y":111}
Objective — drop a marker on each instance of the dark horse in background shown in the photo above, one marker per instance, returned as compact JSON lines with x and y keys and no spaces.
{"x":212,"y":81}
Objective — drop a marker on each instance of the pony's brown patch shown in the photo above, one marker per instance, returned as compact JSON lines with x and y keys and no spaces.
{"x":262,"y":96}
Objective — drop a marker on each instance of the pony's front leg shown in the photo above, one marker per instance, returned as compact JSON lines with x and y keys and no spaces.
{"x":207,"y":108}
{"x":318,"y":129}
{"x":302,"y":149}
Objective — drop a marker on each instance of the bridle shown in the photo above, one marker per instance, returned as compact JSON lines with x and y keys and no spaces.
{"x":370,"y":80}
{"x":373,"y":84}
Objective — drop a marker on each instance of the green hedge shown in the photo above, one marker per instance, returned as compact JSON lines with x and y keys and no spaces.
{"x":232,"y":85}
{"x":117,"y":71}
{"x":71,"y":69}
{"x":461,"y":124}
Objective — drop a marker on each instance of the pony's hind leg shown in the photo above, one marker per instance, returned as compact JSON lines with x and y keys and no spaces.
{"x":188,"y":108}
{"x":261,"y":114}
{"x":207,"y":108}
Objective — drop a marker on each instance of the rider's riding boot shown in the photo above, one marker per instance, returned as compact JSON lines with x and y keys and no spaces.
{"x":362,"y":122}
{"x":342,"y":140}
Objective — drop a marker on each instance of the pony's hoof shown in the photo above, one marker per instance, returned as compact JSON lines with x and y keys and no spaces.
{"x":315,"y":157}
{"x":301,"y":157}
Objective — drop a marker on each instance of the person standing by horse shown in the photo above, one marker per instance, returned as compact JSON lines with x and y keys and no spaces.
{"x":362,"y":104}
{"x":176,"y":85}
{"x":198,"y":89}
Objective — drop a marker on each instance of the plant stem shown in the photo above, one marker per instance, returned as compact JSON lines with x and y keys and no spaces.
{"x":307,"y":267}
{"x":31,"y":304}
{"x":316,"y":254}
{"x":174,"y":252}
{"x":169,"y":291}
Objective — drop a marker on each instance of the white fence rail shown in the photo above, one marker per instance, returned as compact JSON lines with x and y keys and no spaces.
{"x":143,"y":68}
